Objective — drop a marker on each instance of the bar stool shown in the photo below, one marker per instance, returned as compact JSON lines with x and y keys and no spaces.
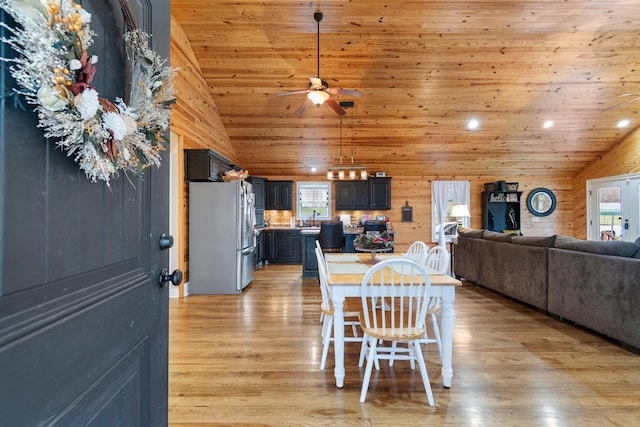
{"x":375,"y":226}
{"x":331,"y":236}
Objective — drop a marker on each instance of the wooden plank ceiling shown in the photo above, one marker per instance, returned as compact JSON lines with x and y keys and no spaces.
{"x":424,"y":69}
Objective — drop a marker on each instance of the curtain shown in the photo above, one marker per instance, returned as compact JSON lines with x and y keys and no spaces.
{"x":443,"y":191}
{"x":440,"y":193}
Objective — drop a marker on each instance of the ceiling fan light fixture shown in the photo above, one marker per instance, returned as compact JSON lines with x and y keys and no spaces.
{"x":318,"y":97}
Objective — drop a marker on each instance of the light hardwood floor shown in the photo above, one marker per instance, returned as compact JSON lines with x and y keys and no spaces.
{"x":254,"y":360}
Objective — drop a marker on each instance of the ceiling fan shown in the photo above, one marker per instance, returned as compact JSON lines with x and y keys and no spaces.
{"x":636,"y":96}
{"x":319,"y":91}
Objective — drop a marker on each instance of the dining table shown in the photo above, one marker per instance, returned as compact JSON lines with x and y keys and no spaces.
{"x":345,"y":272}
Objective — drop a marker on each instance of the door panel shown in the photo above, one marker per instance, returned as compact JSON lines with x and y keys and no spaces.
{"x":614,"y":206}
{"x":83,"y":321}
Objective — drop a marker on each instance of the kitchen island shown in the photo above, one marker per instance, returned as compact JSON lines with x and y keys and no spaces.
{"x":284,"y":244}
{"x":309,"y":236}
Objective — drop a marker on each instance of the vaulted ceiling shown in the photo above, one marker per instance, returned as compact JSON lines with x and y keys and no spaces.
{"x":424,"y":69}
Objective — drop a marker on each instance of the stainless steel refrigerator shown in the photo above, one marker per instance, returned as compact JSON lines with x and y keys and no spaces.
{"x":221,"y":237}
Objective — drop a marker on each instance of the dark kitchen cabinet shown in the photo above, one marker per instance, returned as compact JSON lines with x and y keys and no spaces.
{"x":501,"y":211}
{"x":380,"y":193}
{"x":279,"y":195}
{"x":283,"y":246}
{"x":352,"y":195}
{"x":372,"y":194}
{"x":309,"y":259}
{"x":259,"y":191}
{"x":204,"y":165}
{"x":259,"y":251}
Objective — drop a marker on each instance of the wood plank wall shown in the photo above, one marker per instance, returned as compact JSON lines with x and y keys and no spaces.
{"x":417,"y":191}
{"x":622,"y":159}
{"x":198,"y":125}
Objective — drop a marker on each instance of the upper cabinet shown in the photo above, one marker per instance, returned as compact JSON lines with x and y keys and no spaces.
{"x":279,"y":195}
{"x":352,"y":195}
{"x":373,"y":194}
{"x":204,"y":165}
{"x":380,"y":193}
{"x":259,"y":191}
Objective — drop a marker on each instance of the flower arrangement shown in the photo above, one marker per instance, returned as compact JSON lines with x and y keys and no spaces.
{"x":373,"y":240}
{"x":54,"y":71}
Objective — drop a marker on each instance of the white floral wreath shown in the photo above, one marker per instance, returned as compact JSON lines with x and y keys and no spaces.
{"x":54,"y":71}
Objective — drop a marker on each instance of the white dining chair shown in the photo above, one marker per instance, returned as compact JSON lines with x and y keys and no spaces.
{"x":417,"y":252}
{"x":324,"y":261}
{"x":438,"y":260}
{"x":351,"y":311}
{"x":395,"y":297}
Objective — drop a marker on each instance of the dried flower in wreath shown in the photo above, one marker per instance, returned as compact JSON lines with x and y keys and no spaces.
{"x":54,"y":71}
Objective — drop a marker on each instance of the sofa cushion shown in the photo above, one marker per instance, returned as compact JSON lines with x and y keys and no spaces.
{"x":543,"y":241}
{"x":607,"y":247}
{"x":497,"y":237}
{"x":467,"y":232}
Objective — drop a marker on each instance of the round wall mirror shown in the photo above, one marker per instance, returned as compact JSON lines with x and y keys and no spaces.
{"x":541,"y":202}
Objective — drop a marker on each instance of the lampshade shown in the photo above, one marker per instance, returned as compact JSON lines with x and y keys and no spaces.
{"x":318,"y":97}
{"x":460,"y":211}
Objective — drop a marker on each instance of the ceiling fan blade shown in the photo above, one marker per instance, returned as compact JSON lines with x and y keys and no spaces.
{"x":295,"y":92}
{"x":307,"y":102}
{"x":348,"y":92}
{"x":336,"y":107}
{"x":316,"y":82}
{"x":622,"y":103}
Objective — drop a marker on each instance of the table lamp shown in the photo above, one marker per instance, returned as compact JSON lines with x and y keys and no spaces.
{"x":459,"y":212}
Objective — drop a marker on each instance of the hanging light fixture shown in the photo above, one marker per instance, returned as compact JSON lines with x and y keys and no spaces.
{"x":354,"y":170}
{"x":337,"y":168}
{"x":318,"y":97}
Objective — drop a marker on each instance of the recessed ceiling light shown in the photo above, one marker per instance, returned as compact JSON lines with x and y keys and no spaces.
{"x":623,"y":123}
{"x":313,"y":169}
{"x":547,"y":124}
{"x":473,"y":124}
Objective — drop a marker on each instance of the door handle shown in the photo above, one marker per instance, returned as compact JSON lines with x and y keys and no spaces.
{"x":175,"y":278}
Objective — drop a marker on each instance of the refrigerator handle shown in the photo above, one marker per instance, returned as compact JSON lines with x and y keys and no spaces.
{"x":248,"y":250}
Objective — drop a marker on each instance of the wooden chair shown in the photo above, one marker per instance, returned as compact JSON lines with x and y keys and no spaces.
{"x":394,"y":295}
{"x":351,"y":312}
{"x":417,"y":252}
{"x":437,"y":259}
{"x":324,"y":262}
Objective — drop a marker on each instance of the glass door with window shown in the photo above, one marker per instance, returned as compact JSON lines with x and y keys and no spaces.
{"x":614,"y":206}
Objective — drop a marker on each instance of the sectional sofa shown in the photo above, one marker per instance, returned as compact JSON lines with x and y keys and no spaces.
{"x":595,"y":284}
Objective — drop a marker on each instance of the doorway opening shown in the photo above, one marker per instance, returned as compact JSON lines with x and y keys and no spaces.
{"x":613,"y":206}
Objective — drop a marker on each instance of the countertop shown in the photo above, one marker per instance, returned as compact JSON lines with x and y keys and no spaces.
{"x":312,"y":230}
